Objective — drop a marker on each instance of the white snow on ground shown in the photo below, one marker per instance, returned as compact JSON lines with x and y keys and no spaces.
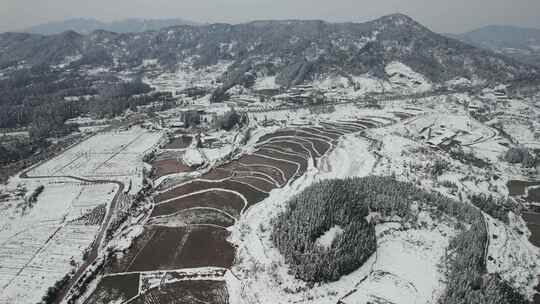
{"x":352,"y":87}
{"x":511,"y":254}
{"x":306,"y":115}
{"x":368,"y":84}
{"x":265,"y":83}
{"x":463,"y":126}
{"x":193,"y":157}
{"x":48,"y":265}
{"x":404,"y":79}
{"x":157,"y":278}
{"x":331,"y":82}
{"x":442,"y":125}
{"x":406,"y":262}
{"x":405,"y":268}
{"x":114,"y":155}
{"x":67,"y":61}
{"x":329,"y":236}
{"x":342,"y":162}
{"x":461,"y":81}
{"x":187,"y":77}
{"x":37,"y":247}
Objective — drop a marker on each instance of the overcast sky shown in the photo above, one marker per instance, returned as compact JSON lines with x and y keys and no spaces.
{"x":439,"y":15}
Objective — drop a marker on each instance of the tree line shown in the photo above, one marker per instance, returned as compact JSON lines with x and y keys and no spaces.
{"x":347,"y":202}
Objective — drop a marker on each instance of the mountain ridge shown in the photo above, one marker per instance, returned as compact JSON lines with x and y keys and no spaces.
{"x":295,"y":51}
{"x":88,"y":25}
{"x":521,"y":43}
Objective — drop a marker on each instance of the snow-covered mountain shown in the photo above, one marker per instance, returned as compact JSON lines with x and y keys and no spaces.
{"x":392,"y":52}
{"x":520,"y":43}
{"x":88,"y":25}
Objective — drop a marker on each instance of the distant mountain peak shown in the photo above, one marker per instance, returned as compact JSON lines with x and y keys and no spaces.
{"x":398,"y":16}
{"x":519,"y":43}
{"x":89,"y":25}
{"x":293,"y":51}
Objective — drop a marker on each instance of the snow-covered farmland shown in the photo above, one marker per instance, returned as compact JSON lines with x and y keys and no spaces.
{"x":188,"y":77}
{"x":115,"y":155}
{"x":406,"y":262}
{"x":44,"y":240}
{"x":407,"y":267}
{"x":38,"y":245}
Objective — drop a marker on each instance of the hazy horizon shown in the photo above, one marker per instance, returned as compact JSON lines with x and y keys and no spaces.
{"x":440,"y":16}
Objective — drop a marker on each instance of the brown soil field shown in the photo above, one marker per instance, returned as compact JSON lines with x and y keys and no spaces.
{"x":517,"y":187}
{"x":291,"y":147}
{"x":164,"y":248}
{"x":217,"y":174}
{"x":256,"y":182}
{"x":274,"y":173}
{"x":169,"y":166}
{"x":252,"y":195}
{"x":304,"y":142}
{"x":288,"y":134}
{"x":186,"y":292}
{"x":533,"y":223}
{"x":534,"y":195}
{"x":289,"y":169}
{"x":190,"y":232}
{"x":226,"y":201}
{"x":115,"y":288}
{"x":324,"y":132}
{"x":301,"y":161}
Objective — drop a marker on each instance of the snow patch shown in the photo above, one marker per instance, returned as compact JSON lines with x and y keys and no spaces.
{"x":326,"y":240}
{"x":405,"y":79}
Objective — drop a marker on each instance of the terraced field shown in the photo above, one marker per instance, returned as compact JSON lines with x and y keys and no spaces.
{"x":529,"y":192}
{"x":187,"y":228}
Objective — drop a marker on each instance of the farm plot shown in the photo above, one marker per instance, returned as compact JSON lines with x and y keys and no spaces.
{"x":38,"y":246}
{"x":197,"y":216}
{"x":519,"y":187}
{"x":225,"y":201}
{"x":295,"y":147}
{"x":169,"y":166}
{"x":116,"y":289}
{"x":187,"y":226}
{"x":26,"y":277}
{"x":249,"y":193}
{"x":167,"y":248}
{"x":196,"y":291}
{"x":320,"y":145}
{"x":271,"y":173}
{"x":289,"y":169}
{"x":113,"y":155}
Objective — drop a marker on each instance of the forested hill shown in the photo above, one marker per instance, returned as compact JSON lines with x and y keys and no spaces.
{"x":520,"y":43}
{"x":293,"y":50}
{"x":86,"y":26}
{"x":38,"y":72}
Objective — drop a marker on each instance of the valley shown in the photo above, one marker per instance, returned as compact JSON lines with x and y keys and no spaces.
{"x":267,"y":162}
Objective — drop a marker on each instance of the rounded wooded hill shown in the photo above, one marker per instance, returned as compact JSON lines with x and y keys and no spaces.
{"x":324,"y":232}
